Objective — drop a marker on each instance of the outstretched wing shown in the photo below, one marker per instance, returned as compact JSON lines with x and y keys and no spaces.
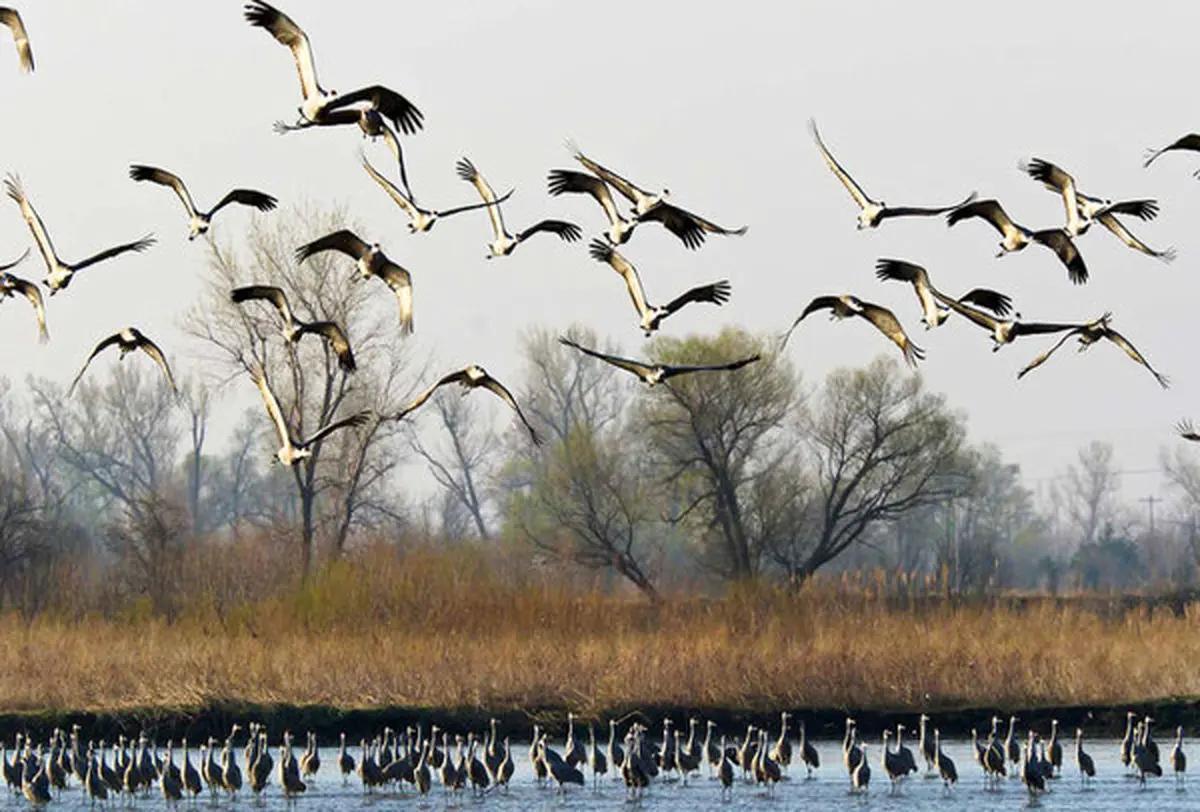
{"x":337,"y":340}
{"x":628,"y":189}
{"x":1191,"y":141}
{"x":566,"y":181}
{"x":399,"y":197}
{"x":1033,"y":328}
{"x":11,"y":18}
{"x":688,"y":227}
{"x":709,"y":226}
{"x":154,"y":351}
{"x":1132,"y":351}
{"x":918,"y":277}
{"x":856,"y":191}
{"x":474,"y":206}
{"x":282,"y":431}
{"x":989,"y":299}
{"x":901,"y":271}
{"x":886,"y":322}
{"x":497,"y":388}
{"x":567,"y":232}
{"x":921,"y":211}
{"x":15,"y":262}
{"x":1058,"y":180}
{"x":16,"y":191}
{"x":400,"y":281}
{"x":716,"y":293}
{"x":362,"y":418}
{"x":286,"y":32}
{"x":137,"y":246}
{"x":982,"y":319}
{"x":1060,"y":242}
{"x":246,"y":197}
{"x":629,"y":365}
{"x":989,"y":210}
{"x":601,"y":251}
{"x":141,"y":172}
{"x":392,"y":140}
{"x":457,"y":376}
{"x":819,"y":303}
{"x":672,"y":371}
{"x":403,"y":114}
{"x":344,"y":240}
{"x":31,"y":292}
{"x":267,"y":293}
{"x":104,"y":344}
{"x":1143,"y":209}
{"x":468,"y":172}
{"x":1123,"y":234}
{"x":1041,"y":359}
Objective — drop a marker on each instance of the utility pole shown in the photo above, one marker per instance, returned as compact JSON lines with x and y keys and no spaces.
{"x":1150,"y":500}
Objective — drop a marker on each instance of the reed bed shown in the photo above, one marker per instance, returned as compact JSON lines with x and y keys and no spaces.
{"x":437,"y":630}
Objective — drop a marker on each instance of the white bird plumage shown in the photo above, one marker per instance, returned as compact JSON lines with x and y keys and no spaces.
{"x":651,"y":315}
{"x":293,"y":450}
{"x":12,"y":18}
{"x":371,"y":261}
{"x":200,"y":220}
{"x":128,"y":340}
{"x":58,"y":272}
{"x":326,"y":107}
{"x":470,"y":377}
{"x":504,"y":242}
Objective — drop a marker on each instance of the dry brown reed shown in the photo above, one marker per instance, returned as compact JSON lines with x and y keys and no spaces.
{"x":470,"y":628}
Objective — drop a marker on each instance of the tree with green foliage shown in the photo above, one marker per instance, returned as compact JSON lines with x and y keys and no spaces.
{"x":718,"y":442}
{"x":583,"y":498}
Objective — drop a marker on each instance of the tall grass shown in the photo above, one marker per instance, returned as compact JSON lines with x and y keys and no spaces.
{"x":468,"y":628}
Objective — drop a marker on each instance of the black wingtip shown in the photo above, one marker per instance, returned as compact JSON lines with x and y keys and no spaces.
{"x":465,"y":169}
{"x":600,"y":250}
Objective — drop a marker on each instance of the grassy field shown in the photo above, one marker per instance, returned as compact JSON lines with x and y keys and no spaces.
{"x":453,"y":630}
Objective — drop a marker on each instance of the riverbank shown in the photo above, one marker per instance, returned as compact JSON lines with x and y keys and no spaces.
{"x":456,"y":637}
{"x":197,"y":724}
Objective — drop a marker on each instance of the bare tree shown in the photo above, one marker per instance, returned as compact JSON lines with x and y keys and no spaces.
{"x":1182,"y":469}
{"x":347,"y":472}
{"x":987,"y":522}
{"x":196,"y":397}
{"x":462,"y":468}
{"x":148,"y":542}
{"x":1089,"y":490}
{"x":881,"y":446}
{"x":122,"y":433}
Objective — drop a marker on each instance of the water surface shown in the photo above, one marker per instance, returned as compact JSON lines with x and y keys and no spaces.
{"x":1112,"y":789}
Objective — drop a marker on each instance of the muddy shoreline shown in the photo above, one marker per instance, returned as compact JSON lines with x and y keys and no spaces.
{"x":823,"y":723}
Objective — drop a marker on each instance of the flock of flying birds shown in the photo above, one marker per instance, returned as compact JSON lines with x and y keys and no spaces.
{"x":380,"y":112}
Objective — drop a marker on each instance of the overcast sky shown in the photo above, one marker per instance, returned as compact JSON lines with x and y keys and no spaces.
{"x":922,"y":101}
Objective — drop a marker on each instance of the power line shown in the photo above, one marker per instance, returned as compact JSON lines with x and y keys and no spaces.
{"x":1149,"y":501}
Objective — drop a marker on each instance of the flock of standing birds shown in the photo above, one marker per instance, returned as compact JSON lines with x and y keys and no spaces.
{"x":381,"y":112}
{"x":484,"y":762}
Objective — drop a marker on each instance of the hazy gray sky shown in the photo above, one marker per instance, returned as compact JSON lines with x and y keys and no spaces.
{"x":921,"y":101}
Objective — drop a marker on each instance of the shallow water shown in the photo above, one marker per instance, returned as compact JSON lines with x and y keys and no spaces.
{"x":1111,"y":790}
